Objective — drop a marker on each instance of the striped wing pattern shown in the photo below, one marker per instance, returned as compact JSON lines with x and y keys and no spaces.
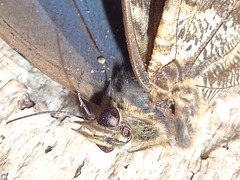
{"x":195,"y":57}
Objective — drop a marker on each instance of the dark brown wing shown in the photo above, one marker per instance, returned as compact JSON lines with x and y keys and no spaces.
{"x":62,"y":39}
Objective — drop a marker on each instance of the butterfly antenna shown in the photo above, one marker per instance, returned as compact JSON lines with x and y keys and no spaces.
{"x":45,"y":112}
{"x":90,"y":115}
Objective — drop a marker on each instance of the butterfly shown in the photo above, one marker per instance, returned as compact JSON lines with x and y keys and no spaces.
{"x":184,"y":53}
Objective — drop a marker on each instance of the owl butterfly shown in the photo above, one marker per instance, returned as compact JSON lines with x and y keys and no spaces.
{"x":185,"y":54}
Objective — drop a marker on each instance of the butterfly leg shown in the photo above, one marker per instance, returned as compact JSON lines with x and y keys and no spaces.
{"x":82,"y":104}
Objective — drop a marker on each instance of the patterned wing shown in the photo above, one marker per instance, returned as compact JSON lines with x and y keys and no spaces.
{"x":196,"y":57}
{"x":194,"y":35}
{"x":221,"y":75}
{"x":217,"y":67}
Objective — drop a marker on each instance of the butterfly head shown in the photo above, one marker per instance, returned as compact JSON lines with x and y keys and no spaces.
{"x":115,"y":128}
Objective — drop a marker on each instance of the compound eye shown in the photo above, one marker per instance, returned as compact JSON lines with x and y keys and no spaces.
{"x":126,"y":131}
{"x":109,"y":118}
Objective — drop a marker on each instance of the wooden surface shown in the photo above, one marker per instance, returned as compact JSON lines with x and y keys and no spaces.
{"x":23,"y":144}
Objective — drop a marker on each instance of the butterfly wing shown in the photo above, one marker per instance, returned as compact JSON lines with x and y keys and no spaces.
{"x":141,"y":20}
{"x":195,"y":58}
{"x":62,"y":39}
{"x":192,"y":36}
{"x":204,"y":33}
